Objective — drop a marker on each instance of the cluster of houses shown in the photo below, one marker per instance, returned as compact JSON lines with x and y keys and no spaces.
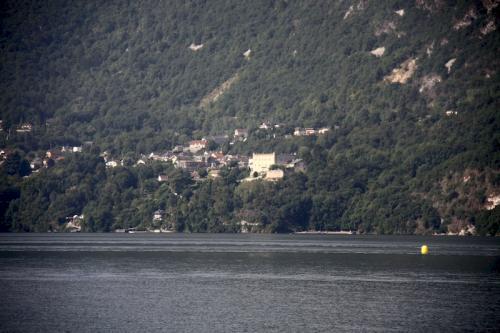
{"x":22,"y":128}
{"x":193,"y":157}
{"x":161,"y":223}
{"x":183,"y":157}
{"x":52,"y":156}
{"x":309,"y":131}
{"x":270,"y":166}
{"x":240,"y":134}
{"x":196,"y":157}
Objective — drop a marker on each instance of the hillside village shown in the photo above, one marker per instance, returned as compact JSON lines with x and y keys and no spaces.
{"x":202,"y":159}
{"x":195,"y":155}
{"x":397,"y":104}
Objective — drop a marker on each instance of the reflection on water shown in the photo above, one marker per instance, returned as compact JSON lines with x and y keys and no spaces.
{"x":282,"y":283}
{"x":249,"y":243}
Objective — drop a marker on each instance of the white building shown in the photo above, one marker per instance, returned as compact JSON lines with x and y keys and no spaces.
{"x":197,"y":145}
{"x":299,"y":131}
{"x":261,"y":163}
{"x":265,"y":126}
{"x":240,"y":134}
{"x":111,"y":164}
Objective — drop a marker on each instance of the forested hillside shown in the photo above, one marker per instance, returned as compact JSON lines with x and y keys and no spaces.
{"x":410,"y":91}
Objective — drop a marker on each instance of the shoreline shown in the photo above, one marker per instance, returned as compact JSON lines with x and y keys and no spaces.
{"x":314,"y":232}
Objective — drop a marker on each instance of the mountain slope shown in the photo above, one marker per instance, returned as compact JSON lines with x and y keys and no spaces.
{"x":425,"y":110}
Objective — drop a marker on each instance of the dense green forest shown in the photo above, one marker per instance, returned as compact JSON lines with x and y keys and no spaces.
{"x":409,"y":89}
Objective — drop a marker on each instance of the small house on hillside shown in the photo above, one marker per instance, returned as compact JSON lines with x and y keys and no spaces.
{"x":310,"y":131}
{"x":197,"y":145}
{"x":323,"y":130}
{"x":24,"y":128}
{"x":111,"y":164}
{"x":265,"y":126}
{"x":299,"y":131}
{"x":240,"y":134}
{"x":70,"y":149}
{"x":162,"y":178}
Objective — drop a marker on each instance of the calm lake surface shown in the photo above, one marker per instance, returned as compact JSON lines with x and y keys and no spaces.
{"x":247,"y":283}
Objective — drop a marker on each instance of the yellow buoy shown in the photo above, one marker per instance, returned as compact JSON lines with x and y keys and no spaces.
{"x":424,"y":249}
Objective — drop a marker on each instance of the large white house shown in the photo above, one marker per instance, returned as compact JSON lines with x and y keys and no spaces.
{"x":261,"y":163}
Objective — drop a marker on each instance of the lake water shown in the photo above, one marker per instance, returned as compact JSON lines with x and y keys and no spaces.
{"x":247,"y":283}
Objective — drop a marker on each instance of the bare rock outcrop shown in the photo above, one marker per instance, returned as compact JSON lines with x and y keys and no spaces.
{"x":195,"y":47}
{"x":403,"y":73}
{"x":247,"y":54}
{"x":467,"y":20}
{"x":490,"y":4}
{"x":492,"y":201}
{"x":489,"y":27}
{"x":378,"y":52}
{"x":386,"y":27}
{"x":430,"y":5}
{"x":428,"y":82}
{"x":214,"y":95}
{"x":449,"y":64}
{"x":400,"y":12}
{"x":361,"y":5}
